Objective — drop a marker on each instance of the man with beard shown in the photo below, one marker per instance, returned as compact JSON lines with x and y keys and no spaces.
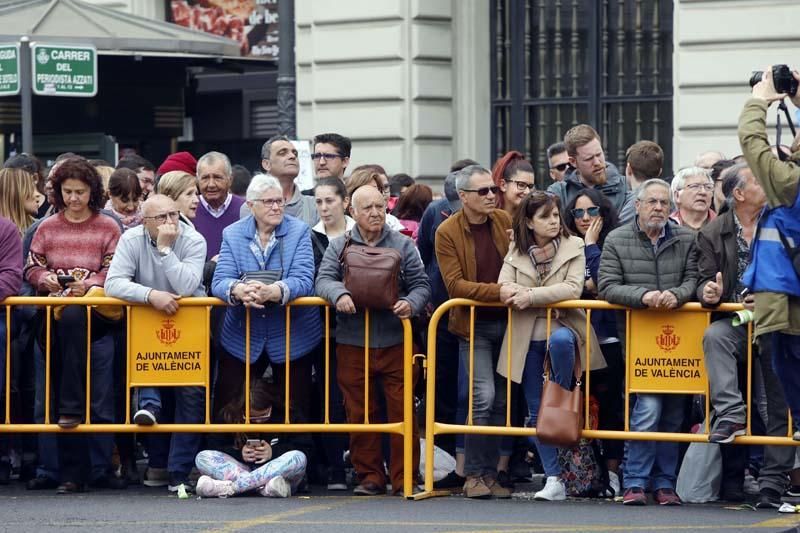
{"x":650,"y":263}
{"x":692,"y":192}
{"x":591,"y":170}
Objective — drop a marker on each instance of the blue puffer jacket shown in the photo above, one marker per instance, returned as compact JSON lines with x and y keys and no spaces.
{"x":268,"y":326}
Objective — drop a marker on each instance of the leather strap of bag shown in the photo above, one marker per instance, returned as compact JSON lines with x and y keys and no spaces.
{"x":347,"y":240}
{"x":576,"y":367}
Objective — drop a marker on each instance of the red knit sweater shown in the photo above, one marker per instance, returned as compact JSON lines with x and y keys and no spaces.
{"x":83,"y":249}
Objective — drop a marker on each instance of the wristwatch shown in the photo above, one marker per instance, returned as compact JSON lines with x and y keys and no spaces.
{"x":165,"y":251}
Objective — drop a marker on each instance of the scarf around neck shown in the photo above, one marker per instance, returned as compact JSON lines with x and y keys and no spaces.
{"x":542,"y":257}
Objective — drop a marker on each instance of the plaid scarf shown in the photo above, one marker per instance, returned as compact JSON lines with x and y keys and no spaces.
{"x":542,"y":258}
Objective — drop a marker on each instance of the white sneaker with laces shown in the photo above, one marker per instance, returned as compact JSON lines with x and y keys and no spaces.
{"x":213,"y":488}
{"x":613,"y":482}
{"x":277,"y":487}
{"x":553,"y":491}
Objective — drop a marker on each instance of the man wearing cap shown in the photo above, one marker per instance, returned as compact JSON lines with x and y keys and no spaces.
{"x":218,"y":208}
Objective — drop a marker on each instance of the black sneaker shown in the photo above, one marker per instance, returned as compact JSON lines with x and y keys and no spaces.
{"x":504,"y":480}
{"x":450,"y":481}
{"x":337,"y":479}
{"x":769,"y":499}
{"x":793,"y":491}
{"x":147,"y":416}
{"x":41,"y":483}
{"x":726,"y":431}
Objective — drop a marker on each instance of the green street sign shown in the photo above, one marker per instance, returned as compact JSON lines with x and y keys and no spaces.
{"x":62,"y":70}
{"x":9,"y":69}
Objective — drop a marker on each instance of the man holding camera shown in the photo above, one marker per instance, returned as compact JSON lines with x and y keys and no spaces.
{"x":773,"y":276}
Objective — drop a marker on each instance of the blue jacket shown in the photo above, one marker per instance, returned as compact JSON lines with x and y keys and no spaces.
{"x":770,"y":268}
{"x":268,"y":326}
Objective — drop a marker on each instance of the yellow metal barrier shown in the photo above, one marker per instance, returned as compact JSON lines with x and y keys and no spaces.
{"x":433,"y":428}
{"x":403,"y":427}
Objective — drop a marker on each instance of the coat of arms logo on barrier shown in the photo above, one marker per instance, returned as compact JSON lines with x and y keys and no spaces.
{"x":668,"y":341}
{"x":168,"y":334}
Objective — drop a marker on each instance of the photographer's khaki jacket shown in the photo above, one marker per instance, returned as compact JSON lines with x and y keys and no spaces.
{"x":780,"y":181}
{"x":564,"y":282}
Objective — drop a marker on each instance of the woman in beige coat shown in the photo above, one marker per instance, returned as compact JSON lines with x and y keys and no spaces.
{"x":545,"y":265}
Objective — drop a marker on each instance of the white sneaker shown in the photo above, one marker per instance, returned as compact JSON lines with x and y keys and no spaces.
{"x":213,"y":488}
{"x":613,"y":482}
{"x":553,"y":491}
{"x":277,"y":487}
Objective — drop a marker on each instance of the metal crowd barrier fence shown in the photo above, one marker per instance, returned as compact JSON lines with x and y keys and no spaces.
{"x":192,"y":324}
{"x":656,"y":373}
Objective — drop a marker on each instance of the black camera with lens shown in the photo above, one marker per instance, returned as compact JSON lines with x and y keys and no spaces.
{"x":781,"y":77}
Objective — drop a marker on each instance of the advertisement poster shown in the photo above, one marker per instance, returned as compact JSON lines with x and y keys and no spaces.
{"x":254,"y":23}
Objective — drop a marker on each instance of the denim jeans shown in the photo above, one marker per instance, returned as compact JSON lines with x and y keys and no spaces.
{"x":646,"y":459}
{"x":488,"y":396}
{"x":562,"y":358}
{"x":100,"y":446}
{"x":183,"y":447}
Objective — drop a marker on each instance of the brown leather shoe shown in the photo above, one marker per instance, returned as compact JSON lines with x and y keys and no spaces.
{"x":69,"y":421}
{"x":497,"y":490}
{"x":475,"y":487}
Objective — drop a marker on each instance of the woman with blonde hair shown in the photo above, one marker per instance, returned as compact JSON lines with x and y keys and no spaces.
{"x":18,"y":197}
{"x":181,"y":187}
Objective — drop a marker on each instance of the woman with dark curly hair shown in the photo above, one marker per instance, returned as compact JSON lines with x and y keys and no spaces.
{"x":69,"y":254}
{"x":591,"y":216}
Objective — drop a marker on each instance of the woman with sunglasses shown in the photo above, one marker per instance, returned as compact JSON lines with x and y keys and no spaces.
{"x":513,"y":174}
{"x":591,"y":216}
{"x":252,"y":463}
{"x":545,"y":265}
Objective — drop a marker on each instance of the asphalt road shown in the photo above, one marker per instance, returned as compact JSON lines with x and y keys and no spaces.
{"x":140,"y":510}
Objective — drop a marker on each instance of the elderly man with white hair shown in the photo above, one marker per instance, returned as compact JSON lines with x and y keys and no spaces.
{"x":157,"y":263}
{"x":266,"y":260}
{"x":693,"y":194}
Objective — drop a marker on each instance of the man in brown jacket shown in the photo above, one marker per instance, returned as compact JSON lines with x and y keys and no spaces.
{"x":470,"y":247}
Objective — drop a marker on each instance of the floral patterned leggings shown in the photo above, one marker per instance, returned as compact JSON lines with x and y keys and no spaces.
{"x":221,"y":466}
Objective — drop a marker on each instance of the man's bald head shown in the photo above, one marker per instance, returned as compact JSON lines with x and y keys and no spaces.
{"x":365,"y":195}
{"x":369,"y":211}
{"x":157,"y":203}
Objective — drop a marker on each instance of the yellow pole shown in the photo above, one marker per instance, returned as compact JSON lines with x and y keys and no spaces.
{"x":471,"y":361}
{"x":288,"y":361}
{"x":408,"y":411}
{"x":628,"y":364}
{"x":366,"y":366}
{"x":508,"y":373}
{"x":247,"y":365}
{"x":430,"y":398}
{"x":88,"y":363}
{"x":327,"y":364}
{"x":588,"y":365}
{"x":750,"y":374}
{"x":8,"y":364}
{"x":129,"y":365}
{"x":48,"y":313}
{"x":207,"y":365}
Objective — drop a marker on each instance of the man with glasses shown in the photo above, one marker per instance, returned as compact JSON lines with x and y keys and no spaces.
{"x":218,"y":208}
{"x":692,"y":192}
{"x":331,"y":155}
{"x":145,"y":171}
{"x":279,"y":159}
{"x":470,"y":247}
{"x":558,"y":160}
{"x":650,"y":263}
{"x":157,"y":263}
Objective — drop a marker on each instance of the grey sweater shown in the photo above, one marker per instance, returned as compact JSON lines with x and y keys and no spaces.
{"x":137,"y":267}
{"x":385,"y":328}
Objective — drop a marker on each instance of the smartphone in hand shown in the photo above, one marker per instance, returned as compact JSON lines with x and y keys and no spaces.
{"x":63,"y":280}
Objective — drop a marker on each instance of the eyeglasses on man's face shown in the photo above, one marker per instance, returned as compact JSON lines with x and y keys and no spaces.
{"x":695,"y":187}
{"x":323,"y":155}
{"x":270,"y":202}
{"x":162,"y":218}
{"x":561,"y":167}
{"x":483,"y":191}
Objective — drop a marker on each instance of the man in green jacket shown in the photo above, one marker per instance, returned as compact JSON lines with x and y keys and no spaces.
{"x":776,"y":314}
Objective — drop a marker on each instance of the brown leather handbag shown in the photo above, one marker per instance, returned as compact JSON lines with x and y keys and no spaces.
{"x":561,"y":412}
{"x":370,"y":274}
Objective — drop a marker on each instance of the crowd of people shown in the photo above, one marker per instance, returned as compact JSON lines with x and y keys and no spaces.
{"x":718,"y":231}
